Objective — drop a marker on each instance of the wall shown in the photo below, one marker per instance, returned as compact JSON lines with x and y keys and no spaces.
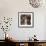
{"x":10,"y":8}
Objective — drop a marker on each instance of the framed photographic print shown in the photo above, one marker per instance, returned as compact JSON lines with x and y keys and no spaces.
{"x":25,"y":19}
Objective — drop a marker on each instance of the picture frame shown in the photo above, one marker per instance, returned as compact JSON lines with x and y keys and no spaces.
{"x":26,"y":19}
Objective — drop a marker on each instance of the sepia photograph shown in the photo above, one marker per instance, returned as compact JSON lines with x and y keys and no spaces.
{"x":25,"y":19}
